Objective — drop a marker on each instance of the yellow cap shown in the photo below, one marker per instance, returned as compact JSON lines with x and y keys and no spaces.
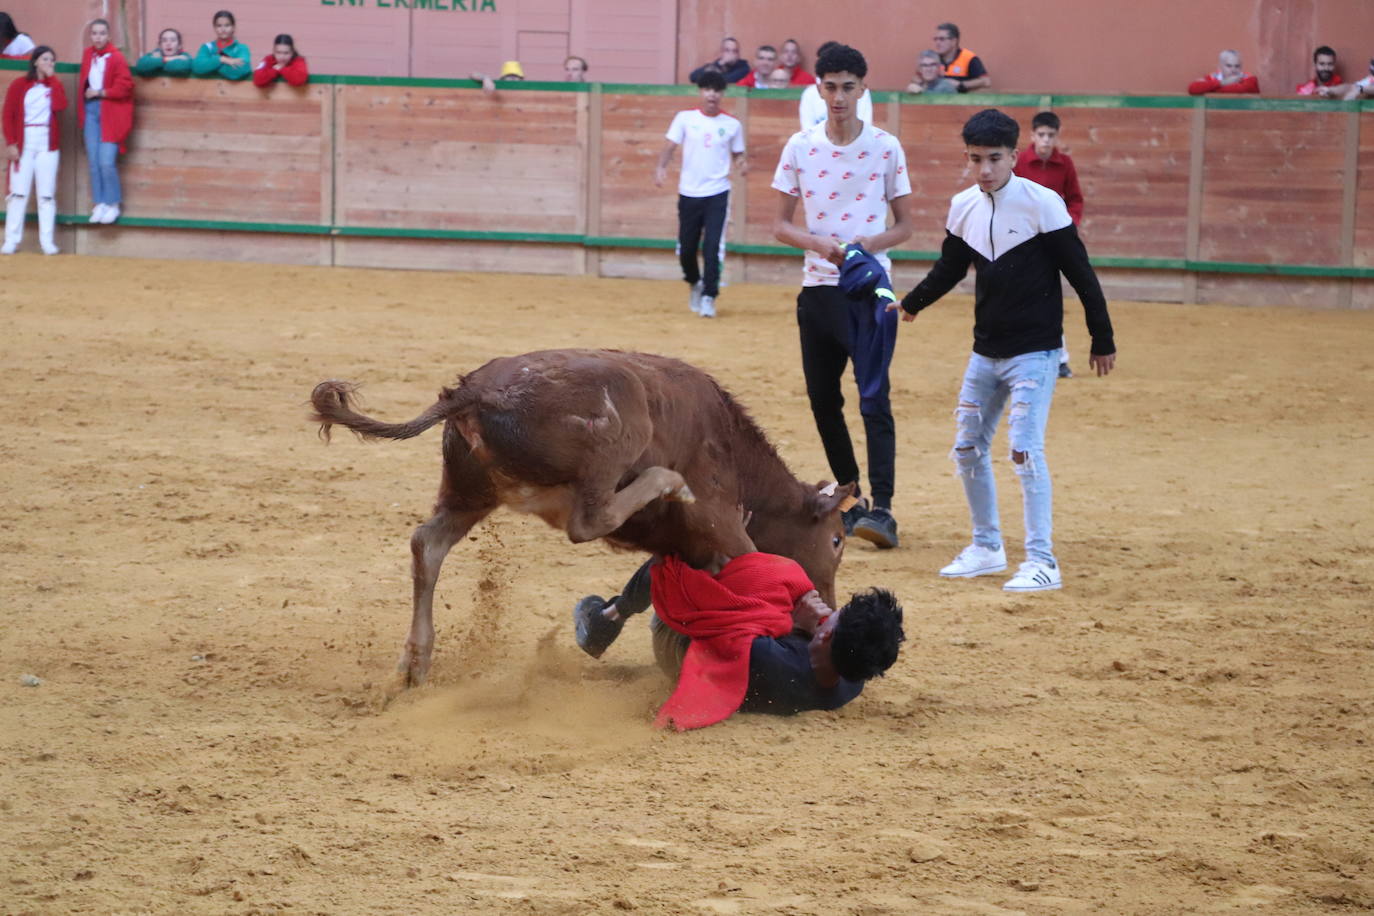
{"x":512,"y":68}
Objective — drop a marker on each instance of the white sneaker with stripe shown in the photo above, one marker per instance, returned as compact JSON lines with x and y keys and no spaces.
{"x":1033,"y":576}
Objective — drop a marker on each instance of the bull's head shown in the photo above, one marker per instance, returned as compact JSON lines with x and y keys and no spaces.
{"x":813,"y":535}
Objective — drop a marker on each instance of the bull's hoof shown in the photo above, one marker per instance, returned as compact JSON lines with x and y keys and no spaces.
{"x":682,"y":494}
{"x":594,"y":630}
{"x":412,"y":667}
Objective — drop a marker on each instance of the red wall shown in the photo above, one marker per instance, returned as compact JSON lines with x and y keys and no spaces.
{"x":1058,"y":46}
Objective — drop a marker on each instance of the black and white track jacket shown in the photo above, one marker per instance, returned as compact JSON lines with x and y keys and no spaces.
{"x":1020,"y":238}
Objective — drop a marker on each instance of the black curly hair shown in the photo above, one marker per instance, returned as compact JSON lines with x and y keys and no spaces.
{"x":867,"y":635}
{"x":840,"y":58}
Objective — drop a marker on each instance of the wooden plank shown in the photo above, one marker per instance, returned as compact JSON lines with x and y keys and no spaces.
{"x":632,"y":131}
{"x":434,"y":254}
{"x":1363,"y":253}
{"x":204,"y":245}
{"x":1272,"y":190}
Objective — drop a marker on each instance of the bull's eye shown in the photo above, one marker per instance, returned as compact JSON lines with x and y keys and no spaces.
{"x":836,"y":541}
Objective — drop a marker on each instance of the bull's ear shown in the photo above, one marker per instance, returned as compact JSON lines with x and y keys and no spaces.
{"x":832,"y":497}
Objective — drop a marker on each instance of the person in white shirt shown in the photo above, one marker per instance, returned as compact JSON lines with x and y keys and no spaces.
{"x":846,"y":174}
{"x":711,"y":140}
{"x":812,"y":109}
{"x":31,"y":140}
{"x":13,"y":43}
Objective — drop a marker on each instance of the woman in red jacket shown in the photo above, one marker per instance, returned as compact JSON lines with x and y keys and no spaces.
{"x":30,"y":119}
{"x":108,"y":89}
{"x":282,"y":63}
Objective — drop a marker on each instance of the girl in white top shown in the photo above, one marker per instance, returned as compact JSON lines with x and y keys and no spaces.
{"x":30,"y":126}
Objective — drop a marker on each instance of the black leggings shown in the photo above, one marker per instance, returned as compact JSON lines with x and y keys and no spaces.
{"x":827,"y":345}
{"x":701,"y":222}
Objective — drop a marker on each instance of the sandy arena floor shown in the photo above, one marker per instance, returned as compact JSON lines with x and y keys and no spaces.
{"x":214,"y":601}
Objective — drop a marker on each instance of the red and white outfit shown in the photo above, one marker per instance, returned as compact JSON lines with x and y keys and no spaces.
{"x":1212,"y":83}
{"x":266,"y":73}
{"x":1311,"y":86}
{"x":19,"y":48}
{"x":30,"y":123}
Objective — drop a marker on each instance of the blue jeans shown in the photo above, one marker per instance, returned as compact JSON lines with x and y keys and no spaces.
{"x":100,"y":156}
{"x":1028,"y":381}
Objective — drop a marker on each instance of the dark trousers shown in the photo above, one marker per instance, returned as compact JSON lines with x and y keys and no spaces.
{"x":701,"y":223}
{"x":835,"y":330}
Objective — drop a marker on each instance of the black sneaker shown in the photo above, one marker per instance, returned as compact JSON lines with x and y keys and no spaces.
{"x":853,"y":515}
{"x":1065,"y":371}
{"x":593,"y":630}
{"x":879,"y":528}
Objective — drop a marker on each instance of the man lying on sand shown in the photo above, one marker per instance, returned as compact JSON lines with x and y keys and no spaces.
{"x":752,"y":634}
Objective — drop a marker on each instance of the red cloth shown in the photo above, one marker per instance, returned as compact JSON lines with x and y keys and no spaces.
{"x":752,"y":596}
{"x":14,"y":110}
{"x":294,"y":73}
{"x":1212,"y":83}
{"x":1057,"y":173}
{"x":117,"y":107}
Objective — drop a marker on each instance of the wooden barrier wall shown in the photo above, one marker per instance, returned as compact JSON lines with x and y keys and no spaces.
{"x":1243,"y":200}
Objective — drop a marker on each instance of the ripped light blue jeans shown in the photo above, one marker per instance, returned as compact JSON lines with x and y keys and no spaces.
{"x":1028,"y":382}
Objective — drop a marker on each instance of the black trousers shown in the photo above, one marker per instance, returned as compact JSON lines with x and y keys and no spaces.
{"x":700,"y":224}
{"x":827,"y":346}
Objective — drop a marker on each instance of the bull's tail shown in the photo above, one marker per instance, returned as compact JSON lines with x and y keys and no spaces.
{"x":333,"y":401}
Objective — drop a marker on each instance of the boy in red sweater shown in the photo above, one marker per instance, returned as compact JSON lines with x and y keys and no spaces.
{"x":1045,"y":164}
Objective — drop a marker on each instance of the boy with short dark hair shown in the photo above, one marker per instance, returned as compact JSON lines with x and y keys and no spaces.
{"x":1020,"y":237}
{"x":1044,"y":163}
{"x":710,"y":141}
{"x":846,"y":174}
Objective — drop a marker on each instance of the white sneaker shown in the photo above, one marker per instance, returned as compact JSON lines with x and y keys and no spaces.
{"x":9,"y":249}
{"x":111,"y":214}
{"x":708,"y":307}
{"x":1034,"y":576}
{"x":51,"y":249}
{"x":974,"y":560}
{"x":694,"y":299}
{"x":98,"y":213}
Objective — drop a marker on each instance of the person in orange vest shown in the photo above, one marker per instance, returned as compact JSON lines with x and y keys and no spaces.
{"x":961,"y":64}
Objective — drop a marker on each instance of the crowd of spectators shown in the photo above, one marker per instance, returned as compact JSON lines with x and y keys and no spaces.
{"x":106,"y":91}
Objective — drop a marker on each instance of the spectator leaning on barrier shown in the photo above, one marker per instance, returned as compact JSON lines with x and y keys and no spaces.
{"x":930,"y":75}
{"x":1229,"y":77}
{"x":31,"y":137}
{"x":765,"y":62}
{"x":728,"y":63}
{"x":14,"y":44}
{"x":108,"y":89}
{"x":812,"y":109}
{"x":511,"y":71}
{"x":1325,"y":79}
{"x":790,"y":56}
{"x":711,"y":140}
{"x":167,"y":59}
{"x":225,"y":57}
{"x":1362,"y":89}
{"x":575,"y":69}
{"x":961,"y":64}
{"x":283,"y":63}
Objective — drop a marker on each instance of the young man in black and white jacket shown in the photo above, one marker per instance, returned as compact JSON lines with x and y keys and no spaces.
{"x":1020,"y":238}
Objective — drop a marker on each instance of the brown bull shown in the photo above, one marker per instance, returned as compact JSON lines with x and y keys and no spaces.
{"x":646,"y":452}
